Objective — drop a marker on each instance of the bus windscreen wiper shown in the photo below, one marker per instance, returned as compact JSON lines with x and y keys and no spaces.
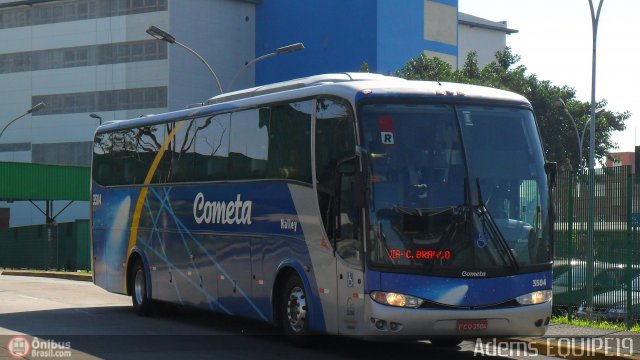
{"x":460,"y":218}
{"x":490,"y":225}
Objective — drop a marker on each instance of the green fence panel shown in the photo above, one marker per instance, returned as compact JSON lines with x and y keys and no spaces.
{"x":615,"y":248}
{"x":64,"y":246}
{"x":83,"y":245}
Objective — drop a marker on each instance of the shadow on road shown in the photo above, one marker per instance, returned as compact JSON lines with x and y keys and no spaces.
{"x":117,"y":333}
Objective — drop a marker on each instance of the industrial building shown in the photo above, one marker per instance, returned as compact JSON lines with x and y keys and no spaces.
{"x":92,"y":61}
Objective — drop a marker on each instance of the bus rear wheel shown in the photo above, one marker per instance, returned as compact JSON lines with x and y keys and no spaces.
{"x":142,"y":304}
{"x":294,"y":310}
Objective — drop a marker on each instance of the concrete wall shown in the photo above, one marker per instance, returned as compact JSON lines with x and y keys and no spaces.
{"x":222,"y":32}
{"x":484,"y":42}
{"x":17,"y":89}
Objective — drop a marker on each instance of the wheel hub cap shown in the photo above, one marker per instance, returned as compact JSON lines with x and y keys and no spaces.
{"x":297,"y":309}
{"x":139,"y":287}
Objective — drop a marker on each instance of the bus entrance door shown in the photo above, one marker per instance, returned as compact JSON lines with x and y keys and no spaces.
{"x":348,"y":245}
{"x":350,"y":298}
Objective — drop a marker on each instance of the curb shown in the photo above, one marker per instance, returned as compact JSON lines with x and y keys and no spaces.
{"x":49,"y":274}
{"x":566,"y":351}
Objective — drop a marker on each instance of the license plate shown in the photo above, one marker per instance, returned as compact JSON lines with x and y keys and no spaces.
{"x":472,"y":325}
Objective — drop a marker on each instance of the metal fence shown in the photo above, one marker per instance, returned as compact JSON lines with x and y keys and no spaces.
{"x":598,"y":280}
{"x":64,"y":246}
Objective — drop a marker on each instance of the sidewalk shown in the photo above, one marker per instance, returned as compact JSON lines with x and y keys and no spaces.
{"x":50,"y":274}
{"x":576,"y":342}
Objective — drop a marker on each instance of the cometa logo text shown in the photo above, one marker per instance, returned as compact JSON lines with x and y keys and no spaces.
{"x":220,"y":212}
{"x":474,"y":273}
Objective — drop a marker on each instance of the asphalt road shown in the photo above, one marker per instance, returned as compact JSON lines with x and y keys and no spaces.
{"x":90,"y":323}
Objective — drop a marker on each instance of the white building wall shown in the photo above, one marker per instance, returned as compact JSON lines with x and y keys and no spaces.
{"x":484,"y":42}
{"x":223,"y":33}
{"x":18,"y":88}
{"x":15,"y":99}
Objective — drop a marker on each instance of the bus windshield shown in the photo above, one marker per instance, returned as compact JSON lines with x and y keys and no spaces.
{"x":455,"y":189}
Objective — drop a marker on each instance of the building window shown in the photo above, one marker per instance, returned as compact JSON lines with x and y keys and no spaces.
{"x":13,"y":147}
{"x":71,"y":153}
{"x":127,"y":99}
{"x":63,"y":11}
{"x":104,"y":54}
{"x":14,"y":17}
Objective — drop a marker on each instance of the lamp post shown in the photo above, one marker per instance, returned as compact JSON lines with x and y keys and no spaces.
{"x":559,"y":103}
{"x":32,"y":110}
{"x":96,"y":116}
{"x":165,"y":36}
{"x":595,"y":17}
{"x":279,"y":51}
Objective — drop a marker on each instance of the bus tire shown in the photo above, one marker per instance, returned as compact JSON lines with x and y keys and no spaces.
{"x":142,"y":304}
{"x":294,"y":310}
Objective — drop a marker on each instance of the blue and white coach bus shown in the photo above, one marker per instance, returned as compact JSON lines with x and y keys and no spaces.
{"x":352,"y":204}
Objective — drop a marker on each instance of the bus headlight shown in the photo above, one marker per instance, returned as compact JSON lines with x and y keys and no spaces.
{"x":395,"y":299}
{"x":536,"y":297}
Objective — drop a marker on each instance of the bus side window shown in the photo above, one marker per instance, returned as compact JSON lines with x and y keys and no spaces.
{"x":211,"y":147}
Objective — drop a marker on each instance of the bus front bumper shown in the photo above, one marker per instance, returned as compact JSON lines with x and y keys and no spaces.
{"x":383,"y":320}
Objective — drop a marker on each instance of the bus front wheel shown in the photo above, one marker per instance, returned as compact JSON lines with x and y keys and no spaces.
{"x":142,"y":304}
{"x":294,"y":309}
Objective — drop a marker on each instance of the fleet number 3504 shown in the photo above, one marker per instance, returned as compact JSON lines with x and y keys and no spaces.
{"x":539,"y":282}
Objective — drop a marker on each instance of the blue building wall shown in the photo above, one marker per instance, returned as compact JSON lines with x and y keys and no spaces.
{"x":339,"y":35}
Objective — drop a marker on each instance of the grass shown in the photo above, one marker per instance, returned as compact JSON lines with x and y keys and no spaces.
{"x":595,"y":324}
{"x":80,"y":271}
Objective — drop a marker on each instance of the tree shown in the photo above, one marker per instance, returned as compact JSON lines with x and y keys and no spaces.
{"x":424,"y":68}
{"x":558,"y":134}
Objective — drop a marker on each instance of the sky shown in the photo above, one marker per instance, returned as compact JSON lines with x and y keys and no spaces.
{"x":555,"y":43}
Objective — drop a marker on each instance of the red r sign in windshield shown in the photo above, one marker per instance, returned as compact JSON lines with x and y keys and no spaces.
{"x":385,"y":125}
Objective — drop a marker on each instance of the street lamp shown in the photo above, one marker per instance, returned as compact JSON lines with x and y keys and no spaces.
{"x":279,"y":51}
{"x":595,"y":17}
{"x":32,"y":110}
{"x":559,"y":103}
{"x":165,"y":36}
{"x":96,"y":116}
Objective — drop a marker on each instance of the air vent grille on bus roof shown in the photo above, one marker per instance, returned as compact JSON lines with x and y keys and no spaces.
{"x":295,"y":84}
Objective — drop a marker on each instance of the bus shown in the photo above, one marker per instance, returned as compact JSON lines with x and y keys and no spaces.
{"x":354,"y":204}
